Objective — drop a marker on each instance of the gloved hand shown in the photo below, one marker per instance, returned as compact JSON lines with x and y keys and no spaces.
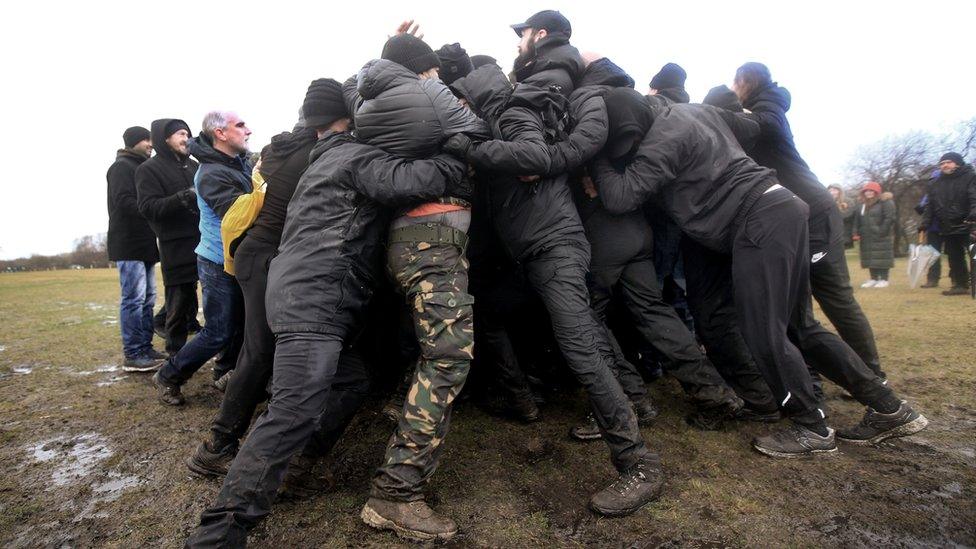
{"x":188,"y":197}
{"x":457,"y":145}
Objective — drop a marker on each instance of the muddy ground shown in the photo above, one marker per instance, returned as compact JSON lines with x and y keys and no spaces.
{"x":89,"y":458}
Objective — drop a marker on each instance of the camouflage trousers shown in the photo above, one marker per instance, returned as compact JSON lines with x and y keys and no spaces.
{"x":434,"y":279}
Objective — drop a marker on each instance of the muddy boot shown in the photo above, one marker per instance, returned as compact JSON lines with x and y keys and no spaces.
{"x":221,"y":382}
{"x":586,"y":431}
{"x":795,"y":441}
{"x":301,"y":482}
{"x":876,"y":426}
{"x":632,"y":490}
{"x":167,"y":393}
{"x":413,"y":520}
{"x":644,"y":410}
{"x":394,"y":407}
{"x":714,"y":406}
{"x":524,"y":408}
{"x":208,"y":462}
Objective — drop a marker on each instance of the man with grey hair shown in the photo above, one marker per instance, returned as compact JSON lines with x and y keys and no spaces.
{"x":224,"y":176}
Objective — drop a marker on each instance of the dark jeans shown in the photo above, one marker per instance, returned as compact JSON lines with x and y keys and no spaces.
{"x":656,"y":321}
{"x":223,"y":313}
{"x":879,"y":274}
{"x":771,"y":280}
{"x":138,"y":282}
{"x":830,"y":283}
{"x":558,"y":275}
{"x":306,"y":367}
{"x":934,"y":239}
{"x":181,"y":308}
{"x":956,"y":247}
{"x":708,"y":276}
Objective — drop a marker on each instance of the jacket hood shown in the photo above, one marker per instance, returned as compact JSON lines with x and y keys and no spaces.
{"x":157,"y":129}
{"x":772,"y":93}
{"x":328,"y":141}
{"x":201,"y":147}
{"x":380,"y":75}
{"x":486,"y":89}
{"x":556,"y":63}
{"x":129,"y":153}
{"x":604,"y":72}
{"x":630,"y":118}
{"x":676,"y":95}
{"x":286,"y":143}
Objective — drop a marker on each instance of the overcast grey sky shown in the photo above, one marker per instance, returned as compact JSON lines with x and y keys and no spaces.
{"x":77,"y":74}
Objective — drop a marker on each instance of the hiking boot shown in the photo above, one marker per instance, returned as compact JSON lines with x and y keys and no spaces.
{"x":644,"y":410}
{"x":221,"y":382}
{"x":168,"y":393}
{"x":956,"y":291}
{"x":301,"y":482}
{"x":632,"y":490}
{"x":524,"y":408}
{"x":413,"y":520}
{"x":795,"y":441}
{"x":876,"y":426}
{"x":588,"y":430}
{"x":208,"y":462}
{"x":393,"y":408}
{"x":141,"y":364}
{"x":748,"y":414}
{"x":711,"y":416}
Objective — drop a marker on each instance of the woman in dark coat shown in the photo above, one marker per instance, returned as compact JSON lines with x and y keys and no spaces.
{"x":873,"y":224}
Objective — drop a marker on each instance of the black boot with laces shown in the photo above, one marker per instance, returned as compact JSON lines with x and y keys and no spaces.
{"x":637,"y":487}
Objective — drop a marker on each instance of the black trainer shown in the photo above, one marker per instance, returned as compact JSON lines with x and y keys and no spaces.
{"x":795,"y":441}
{"x":208,"y":462}
{"x":632,"y":490}
{"x":748,"y":414}
{"x":524,"y":408}
{"x":586,"y":431}
{"x":875,"y":426}
{"x":141,"y":364}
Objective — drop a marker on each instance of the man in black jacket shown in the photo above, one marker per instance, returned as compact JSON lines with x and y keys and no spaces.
{"x":166,"y":198}
{"x":132,"y":246}
{"x":952,"y":203}
{"x":830,"y":280}
{"x":688,"y":160}
{"x":318,"y":286}
{"x":540,"y":228}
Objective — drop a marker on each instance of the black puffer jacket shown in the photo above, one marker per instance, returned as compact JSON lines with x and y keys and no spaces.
{"x":952,"y":201}
{"x":526,"y":216}
{"x":332,"y":246}
{"x":282,"y":166}
{"x":691,"y":165}
{"x":556,"y":63}
{"x":164,"y":186}
{"x":129,"y":236}
{"x":775,"y":149}
{"x":406,"y":116}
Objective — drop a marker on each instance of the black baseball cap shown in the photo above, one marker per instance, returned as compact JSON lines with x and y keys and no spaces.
{"x":551,"y":20}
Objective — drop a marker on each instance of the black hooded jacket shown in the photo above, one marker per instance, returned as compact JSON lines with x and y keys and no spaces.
{"x":129,"y":236}
{"x":691,"y":165}
{"x":332,"y":245}
{"x":164,"y":186}
{"x":952,"y":201}
{"x":775,"y":149}
{"x":281,"y":166}
{"x":527,"y":217}
{"x":555,"y":63}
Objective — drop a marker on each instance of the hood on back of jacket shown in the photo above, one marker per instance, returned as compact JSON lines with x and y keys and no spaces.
{"x":486,"y":89}
{"x":282,"y":146}
{"x":556,"y":63}
{"x":772,"y":93}
{"x":202,"y":148}
{"x":677,"y":95}
{"x":630,"y":118}
{"x":157,"y":130}
{"x":600,"y":77}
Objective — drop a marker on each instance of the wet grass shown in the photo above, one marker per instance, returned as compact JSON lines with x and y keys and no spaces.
{"x":506,"y":484}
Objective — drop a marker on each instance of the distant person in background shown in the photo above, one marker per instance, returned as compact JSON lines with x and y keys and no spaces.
{"x":931,"y":233}
{"x":873,"y":226}
{"x":846,"y":211}
{"x":132,"y":246}
{"x":164,"y":184}
{"x":952,"y":203}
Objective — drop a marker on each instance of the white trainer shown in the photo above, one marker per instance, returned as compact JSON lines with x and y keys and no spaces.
{"x":870,"y":283}
{"x":881,"y":284}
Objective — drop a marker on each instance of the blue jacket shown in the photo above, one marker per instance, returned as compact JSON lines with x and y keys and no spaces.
{"x":220,"y":180}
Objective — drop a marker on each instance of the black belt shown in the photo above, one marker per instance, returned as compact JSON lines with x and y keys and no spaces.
{"x":431,"y":233}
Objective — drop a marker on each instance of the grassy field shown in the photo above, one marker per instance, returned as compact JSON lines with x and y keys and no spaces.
{"x":89,"y":458}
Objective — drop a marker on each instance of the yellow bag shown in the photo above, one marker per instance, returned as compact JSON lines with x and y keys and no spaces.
{"x":239,"y":218}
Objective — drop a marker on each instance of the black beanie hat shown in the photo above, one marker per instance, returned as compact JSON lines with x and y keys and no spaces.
{"x":670,"y":76}
{"x":323,"y":104}
{"x":479,"y":60}
{"x":723,"y":98}
{"x":174,"y":126}
{"x":132,"y":136}
{"x":630,"y":118}
{"x":953,"y":157}
{"x":411,"y":52}
{"x":455,"y":63}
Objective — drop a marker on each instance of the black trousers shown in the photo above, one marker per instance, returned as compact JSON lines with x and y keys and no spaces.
{"x":956,"y":247}
{"x":558,"y":275}
{"x":771,"y":281}
{"x":830,"y":282}
{"x":656,"y":322}
{"x":181,"y":306}
{"x":306,"y":368}
{"x":934,"y":239}
{"x":708,"y":279}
